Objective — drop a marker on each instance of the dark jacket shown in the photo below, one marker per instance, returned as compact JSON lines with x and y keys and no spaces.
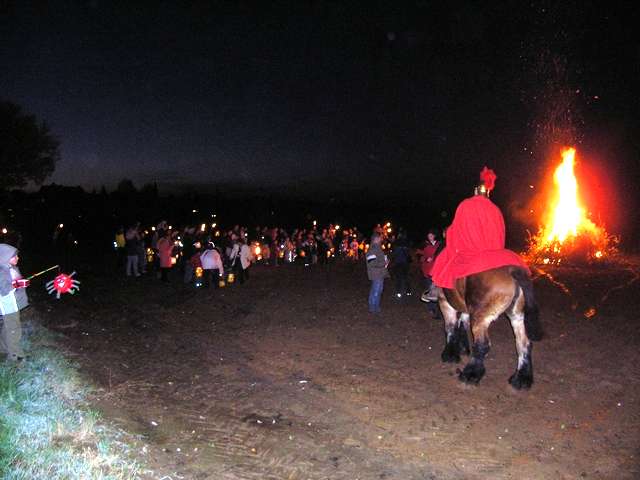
{"x":400,"y":253}
{"x":376,"y":263}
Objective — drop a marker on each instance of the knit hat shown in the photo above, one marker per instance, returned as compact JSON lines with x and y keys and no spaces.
{"x":7,"y":252}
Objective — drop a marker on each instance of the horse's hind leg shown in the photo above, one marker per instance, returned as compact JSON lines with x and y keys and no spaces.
{"x":523,"y":376}
{"x":451,"y":352}
{"x":474,"y":370}
{"x":463,"y":333}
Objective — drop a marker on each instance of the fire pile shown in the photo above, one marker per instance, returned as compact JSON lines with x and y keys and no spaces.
{"x":567,"y":234}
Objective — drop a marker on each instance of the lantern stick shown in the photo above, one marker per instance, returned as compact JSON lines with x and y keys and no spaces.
{"x":42,"y":272}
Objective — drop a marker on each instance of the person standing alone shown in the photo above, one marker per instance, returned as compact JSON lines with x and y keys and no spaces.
{"x":132,"y":245}
{"x":377,"y":264}
{"x":400,"y":263}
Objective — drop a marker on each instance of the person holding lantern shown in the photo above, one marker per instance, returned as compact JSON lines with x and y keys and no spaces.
{"x":165,"y":249}
{"x":13,"y":298}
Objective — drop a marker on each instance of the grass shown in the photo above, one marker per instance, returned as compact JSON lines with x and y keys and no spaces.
{"x":48,"y":431}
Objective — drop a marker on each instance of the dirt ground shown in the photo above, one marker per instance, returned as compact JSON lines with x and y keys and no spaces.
{"x":289,"y":377}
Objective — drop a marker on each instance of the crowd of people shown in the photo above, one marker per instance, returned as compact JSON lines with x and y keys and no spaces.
{"x":212,"y":257}
{"x":229,"y":252}
{"x":163,"y":248}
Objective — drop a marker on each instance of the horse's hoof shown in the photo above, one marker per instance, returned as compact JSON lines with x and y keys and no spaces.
{"x":521,"y":382}
{"x":449,"y":356}
{"x":471,"y":374}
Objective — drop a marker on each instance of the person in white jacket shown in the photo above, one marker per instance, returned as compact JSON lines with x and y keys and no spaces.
{"x":246,"y":257}
{"x":212,"y":266}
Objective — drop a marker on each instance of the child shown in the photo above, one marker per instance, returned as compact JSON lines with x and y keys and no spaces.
{"x":165,"y":252}
{"x":428,"y":255}
{"x":13,"y":298}
{"x":211,"y":263}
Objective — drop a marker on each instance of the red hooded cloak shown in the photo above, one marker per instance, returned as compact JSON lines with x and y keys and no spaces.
{"x":475,"y":243}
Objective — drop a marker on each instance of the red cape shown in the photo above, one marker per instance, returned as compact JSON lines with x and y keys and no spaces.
{"x":475,"y":243}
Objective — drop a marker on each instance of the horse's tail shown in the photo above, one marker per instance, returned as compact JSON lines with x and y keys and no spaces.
{"x":532,"y":323}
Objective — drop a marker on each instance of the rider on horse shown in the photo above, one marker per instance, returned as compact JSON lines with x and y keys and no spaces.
{"x":475,"y":239}
{"x":480,"y":280}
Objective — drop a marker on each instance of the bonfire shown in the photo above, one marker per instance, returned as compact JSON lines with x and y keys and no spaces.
{"x":567,"y":233}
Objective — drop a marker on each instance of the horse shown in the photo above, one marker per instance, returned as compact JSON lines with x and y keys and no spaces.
{"x":479,"y":299}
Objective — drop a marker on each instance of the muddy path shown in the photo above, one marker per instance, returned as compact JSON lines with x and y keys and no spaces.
{"x":289,"y":377}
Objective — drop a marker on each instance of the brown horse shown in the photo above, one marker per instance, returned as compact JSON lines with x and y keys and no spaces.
{"x":480,"y":299}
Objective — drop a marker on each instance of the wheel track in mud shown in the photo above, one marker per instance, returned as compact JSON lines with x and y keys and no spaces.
{"x":236,"y":442}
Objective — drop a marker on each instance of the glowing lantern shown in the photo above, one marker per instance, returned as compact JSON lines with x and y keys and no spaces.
{"x":198,"y":274}
{"x":149,"y":255}
{"x":174,"y":260}
{"x":231,"y":278}
{"x":63,"y":283}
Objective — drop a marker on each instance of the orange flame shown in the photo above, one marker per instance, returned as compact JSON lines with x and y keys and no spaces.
{"x":568,"y":228}
{"x":569,"y":217}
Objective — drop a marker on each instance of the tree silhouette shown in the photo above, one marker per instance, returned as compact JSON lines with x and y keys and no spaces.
{"x":126,"y":187}
{"x":28,"y":151}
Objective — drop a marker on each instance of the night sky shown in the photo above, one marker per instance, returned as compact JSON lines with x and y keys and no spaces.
{"x":408,"y":99}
